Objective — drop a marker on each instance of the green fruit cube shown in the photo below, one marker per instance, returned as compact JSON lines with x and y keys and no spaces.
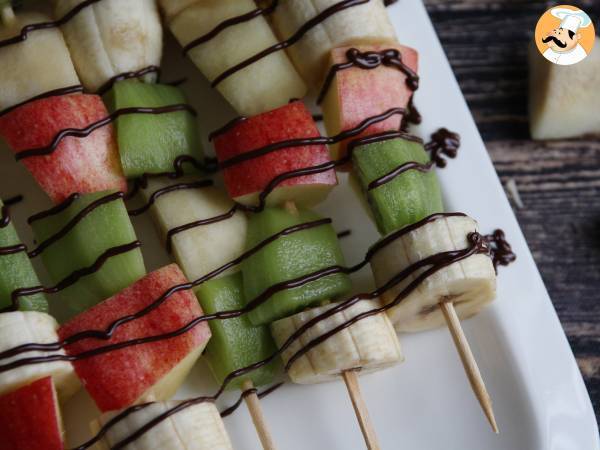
{"x":150,"y":143}
{"x":407,"y":198}
{"x":103,"y":228}
{"x":17,"y":272}
{"x":235,"y":343}
{"x":287,"y":258}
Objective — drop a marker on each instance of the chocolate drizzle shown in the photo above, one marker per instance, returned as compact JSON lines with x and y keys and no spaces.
{"x":13,"y":200}
{"x":368,"y":61}
{"x":244,"y":394}
{"x":501,"y":251}
{"x":413,"y":116}
{"x":411,"y":165}
{"x":305,"y":28}
{"x":246,"y":17}
{"x":165,"y":190}
{"x":84,"y":132}
{"x":53,"y":93}
{"x":13,"y":249}
{"x":344,"y":233}
{"x":443,"y":143}
{"x":24,"y":33}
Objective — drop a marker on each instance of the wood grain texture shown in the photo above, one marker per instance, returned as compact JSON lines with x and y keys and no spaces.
{"x":559,"y":182}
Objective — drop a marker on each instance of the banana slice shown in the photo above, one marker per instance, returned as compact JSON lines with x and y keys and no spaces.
{"x":111,"y":37}
{"x":366,"y":23}
{"x":39,"y":64}
{"x":470,"y":284}
{"x":369,"y":344}
{"x":18,"y":328}
{"x":198,"y":427}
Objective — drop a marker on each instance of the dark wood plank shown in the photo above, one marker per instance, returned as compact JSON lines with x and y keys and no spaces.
{"x":559,"y":182}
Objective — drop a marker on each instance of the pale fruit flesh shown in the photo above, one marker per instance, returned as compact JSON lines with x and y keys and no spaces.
{"x":264,"y":85}
{"x":367,"y":23}
{"x":37,"y":65}
{"x":564,"y":101}
{"x":204,"y":248}
{"x":111,"y":37}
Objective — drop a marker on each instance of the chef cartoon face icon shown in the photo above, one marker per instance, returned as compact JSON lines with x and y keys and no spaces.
{"x":562,"y":35}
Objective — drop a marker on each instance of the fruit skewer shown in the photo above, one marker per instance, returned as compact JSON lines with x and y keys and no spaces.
{"x":395,"y":174}
{"x":287,"y":259}
{"x":235,"y":343}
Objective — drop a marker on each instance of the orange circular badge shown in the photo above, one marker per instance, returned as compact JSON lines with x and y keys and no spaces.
{"x":565,"y":35}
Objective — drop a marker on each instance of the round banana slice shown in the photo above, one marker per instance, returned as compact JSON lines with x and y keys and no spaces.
{"x":470,"y":283}
{"x":368,"y":344}
{"x":197,"y":427}
{"x":111,"y":37}
{"x":39,"y":64}
{"x":27,"y":327}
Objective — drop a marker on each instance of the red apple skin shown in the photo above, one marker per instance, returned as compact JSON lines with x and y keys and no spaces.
{"x":292,"y":121}
{"x":116,"y":379}
{"x":366,"y":93}
{"x":83,"y":165}
{"x":29,"y":418}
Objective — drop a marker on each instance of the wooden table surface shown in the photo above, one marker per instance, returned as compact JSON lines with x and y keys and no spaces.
{"x":559,"y":182}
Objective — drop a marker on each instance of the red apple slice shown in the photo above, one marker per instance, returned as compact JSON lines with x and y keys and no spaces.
{"x":246,"y":180}
{"x":151,"y":371}
{"x":79,"y":164}
{"x":356,"y":94}
{"x":30,"y":418}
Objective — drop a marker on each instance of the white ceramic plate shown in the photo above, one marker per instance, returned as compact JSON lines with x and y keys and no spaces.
{"x":426,"y":403}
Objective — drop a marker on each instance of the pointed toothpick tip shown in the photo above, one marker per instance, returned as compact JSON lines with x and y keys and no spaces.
{"x":469,"y":363}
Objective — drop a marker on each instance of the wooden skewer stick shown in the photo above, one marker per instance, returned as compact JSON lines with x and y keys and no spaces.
{"x":258,"y":418}
{"x":360,"y":408}
{"x":468,"y":362}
